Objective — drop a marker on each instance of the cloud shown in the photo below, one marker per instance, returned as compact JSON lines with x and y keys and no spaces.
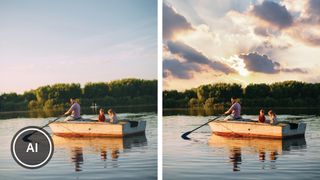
{"x":294,"y":70}
{"x":309,"y":37}
{"x":261,"y":31}
{"x":306,"y":33}
{"x":263,"y":64}
{"x":173,"y":22}
{"x":314,"y":6}
{"x":270,"y":47}
{"x":313,"y":10}
{"x":178,"y":69}
{"x":266,"y":31}
{"x":273,"y":13}
{"x":191,"y":55}
{"x":306,"y":27}
{"x":259,"y":63}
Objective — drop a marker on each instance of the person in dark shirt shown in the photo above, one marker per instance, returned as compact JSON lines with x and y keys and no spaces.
{"x":262,"y":118}
{"x":102,"y":117}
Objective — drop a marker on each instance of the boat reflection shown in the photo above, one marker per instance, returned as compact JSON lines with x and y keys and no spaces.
{"x":103,"y":147}
{"x":266,"y":149}
{"x":77,"y":157}
{"x":235,"y":158}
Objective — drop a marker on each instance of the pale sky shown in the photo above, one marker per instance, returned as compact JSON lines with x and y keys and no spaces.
{"x":241,"y":41}
{"x":45,"y":42}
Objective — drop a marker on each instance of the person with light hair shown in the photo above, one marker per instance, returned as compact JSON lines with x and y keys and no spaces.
{"x":113,"y":117}
{"x":273,"y":118}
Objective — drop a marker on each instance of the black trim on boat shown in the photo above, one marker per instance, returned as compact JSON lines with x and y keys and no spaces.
{"x":293,"y":125}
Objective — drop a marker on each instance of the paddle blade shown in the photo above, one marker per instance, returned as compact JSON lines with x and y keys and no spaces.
{"x":185,"y":135}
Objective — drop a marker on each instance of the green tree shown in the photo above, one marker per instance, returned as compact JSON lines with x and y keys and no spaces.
{"x":210,"y":102}
{"x":193,"y":102}
{"x":257,"y":91}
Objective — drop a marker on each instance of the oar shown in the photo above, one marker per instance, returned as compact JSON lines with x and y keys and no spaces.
{"x":185,"y":135}
{"x":26,"y":138}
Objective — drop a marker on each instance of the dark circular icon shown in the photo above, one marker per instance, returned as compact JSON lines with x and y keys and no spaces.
{"x":32,"y":147}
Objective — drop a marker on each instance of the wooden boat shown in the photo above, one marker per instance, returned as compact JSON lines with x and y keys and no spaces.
{"x":91,"y":128}
{"x":250,"y":128}
{"x":94,"y":144}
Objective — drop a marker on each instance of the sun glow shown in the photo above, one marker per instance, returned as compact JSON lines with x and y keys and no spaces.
{"x":238,"y":64}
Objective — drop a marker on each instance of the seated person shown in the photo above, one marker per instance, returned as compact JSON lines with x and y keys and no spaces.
{"x":234,"y":111}
{"x":113,"y":117}
{"x":102,"y":117}
{"x":262,"y":118}
{"x":273,"y":118}
{"x":74,"y":111}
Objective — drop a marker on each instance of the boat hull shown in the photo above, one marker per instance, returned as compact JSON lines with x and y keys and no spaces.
{"x":255,"y":129}
{"x":96,"y":129}
{"x":94,"y":144}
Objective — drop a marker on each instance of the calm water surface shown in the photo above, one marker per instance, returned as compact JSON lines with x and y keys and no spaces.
{"x":208,"y":156}
{"x":86,"y":158}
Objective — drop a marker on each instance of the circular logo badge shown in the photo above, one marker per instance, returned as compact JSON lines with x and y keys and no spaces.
{"x":32,"y":147}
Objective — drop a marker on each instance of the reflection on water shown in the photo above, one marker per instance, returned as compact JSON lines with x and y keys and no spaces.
{"x":235,"y":158}
{"x":104,"y":148}
{"x":104,"y":154}
{"x":77,"y":157}
{"x":239,"y":147}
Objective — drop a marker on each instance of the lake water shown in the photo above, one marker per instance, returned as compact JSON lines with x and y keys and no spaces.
{"x":208,"y":156}
{"x":86,"y":158}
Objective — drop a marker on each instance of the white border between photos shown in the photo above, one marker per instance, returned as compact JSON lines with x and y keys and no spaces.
{"x":160,"y":149}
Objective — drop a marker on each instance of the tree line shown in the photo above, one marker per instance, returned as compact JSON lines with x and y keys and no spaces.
{"x":123,"y":92}
{"x":279,"y":94}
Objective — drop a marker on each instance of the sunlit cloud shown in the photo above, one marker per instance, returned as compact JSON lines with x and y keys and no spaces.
{"x":258,"y":46}
{"x":238,"y":64}
{"x":273,"y":13}
{"x":262,"y":63}
{"x":173,"y":23}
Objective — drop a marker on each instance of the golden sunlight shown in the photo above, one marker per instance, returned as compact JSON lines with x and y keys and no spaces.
{"x":237,"y":63}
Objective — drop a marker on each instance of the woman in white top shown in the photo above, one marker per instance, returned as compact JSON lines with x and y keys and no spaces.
{"x":273,"y":118}
{"x":113,"y":117}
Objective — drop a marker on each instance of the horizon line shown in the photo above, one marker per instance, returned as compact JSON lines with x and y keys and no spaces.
{"x":81,"y":84}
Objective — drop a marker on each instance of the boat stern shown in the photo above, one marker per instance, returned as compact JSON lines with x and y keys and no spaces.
{"x":294,"y":129}
{"x":134,"y":127}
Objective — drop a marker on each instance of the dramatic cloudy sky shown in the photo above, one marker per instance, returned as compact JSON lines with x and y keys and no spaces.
{"x":242,"y":41}
{"x":45,"y":42}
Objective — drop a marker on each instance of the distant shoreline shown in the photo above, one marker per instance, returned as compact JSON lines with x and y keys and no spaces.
{"x":199,"y":111}
{"x":117,"y":93}
{"x":87,"y":107}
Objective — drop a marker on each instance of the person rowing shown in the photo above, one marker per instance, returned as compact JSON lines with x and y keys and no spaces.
{"x":234,"y":112}
{"x":74,"y":111}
